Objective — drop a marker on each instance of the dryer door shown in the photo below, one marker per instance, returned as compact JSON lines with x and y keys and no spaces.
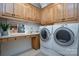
{"x":44,"y":34}
{"x":64,"y":36}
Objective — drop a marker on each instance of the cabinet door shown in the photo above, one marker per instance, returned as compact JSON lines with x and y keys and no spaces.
{"x":29,"y":15}
{"x":43,"y":15}
{"x":51,"y":15}
{"x":55,"y":13}
{"x":37,"y":14}
{"x":4,"y":40}
{"x":70,"y":10}
{"x":8,"y":9}
{"x":11,"y":39}
{"x":35,"y":42}
{"x":28,"y":12}
{"x":78,"y":11}
{"x":19,"y":10}
{"x":1,"y":8}
{"x":48,"y":16}
{"x":32,"y":12}
{"x":60,"y":12}
{"x":0,"y":40}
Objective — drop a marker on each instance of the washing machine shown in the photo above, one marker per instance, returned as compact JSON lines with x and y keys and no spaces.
{"x":45,"y":36}
{"x":65,"y":38}
{"x":46,"y":41}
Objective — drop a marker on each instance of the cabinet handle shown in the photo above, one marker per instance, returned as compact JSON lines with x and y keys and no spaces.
{"x":63,"y":19}
{"x":15,"y":38}
{"x":13,"y":14}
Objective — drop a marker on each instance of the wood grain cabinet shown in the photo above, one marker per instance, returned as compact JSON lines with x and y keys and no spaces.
{"x":11,"y":39}
{"x":37,"y":14}
{"x":55,"y":19}
{"x":51,"y":15}
{"x":33,"y":13}
{"x":48,"y":16}
{"x":19,"y":10}
{"x":70,"y":11}
{"x":35,"y":42}
{"x":4,"y":40}
{"x":59,"y":12}
{"x":1,"y":8}
{"x":0,"y":40}
{"x":29,"y":11}
{"x":26,"y":11}
{"x":44,"y":16}
{"x":8,"y":9}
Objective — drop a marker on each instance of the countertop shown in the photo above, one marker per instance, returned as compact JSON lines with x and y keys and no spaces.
{"x":18,"y":34}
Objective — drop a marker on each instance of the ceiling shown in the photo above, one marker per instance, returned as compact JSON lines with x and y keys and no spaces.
{"x":40,"y":5}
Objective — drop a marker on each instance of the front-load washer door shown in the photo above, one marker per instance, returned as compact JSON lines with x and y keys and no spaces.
{"x":44,"y":34}
{"x":64,"y":36}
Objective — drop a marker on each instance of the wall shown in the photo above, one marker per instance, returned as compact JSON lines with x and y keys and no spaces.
{"x":29,"y":26}
{"x":19,"y":45}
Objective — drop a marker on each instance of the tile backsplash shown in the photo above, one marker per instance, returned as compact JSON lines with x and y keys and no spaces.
{"x":32,"y":28}
{"x":29,"y":26}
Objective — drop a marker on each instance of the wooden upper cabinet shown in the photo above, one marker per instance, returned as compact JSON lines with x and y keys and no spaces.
{"x":51,"y":15}
{"x":43,"y":16}
{"x":55,"y":19}
{"x":60,"y":12}
{"x":29,"y":13}
{"x":8,"y":9}
{"x":26,"y":11}
{"x":78,"y":11}
{"x":34,"y":13}
{"x":37,"y":14}
{"x":46,"y":16}
{"x":1,"y":8}
{"x":70,"y":11}
{"x":19,"y":10}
